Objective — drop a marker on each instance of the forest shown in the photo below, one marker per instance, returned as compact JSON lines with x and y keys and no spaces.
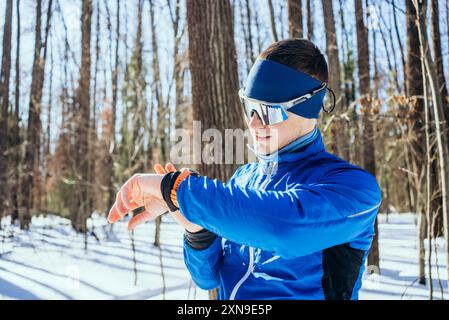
{"x":94,"y":91}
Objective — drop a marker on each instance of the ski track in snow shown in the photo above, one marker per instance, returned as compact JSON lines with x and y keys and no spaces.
{"x":49,"y":262}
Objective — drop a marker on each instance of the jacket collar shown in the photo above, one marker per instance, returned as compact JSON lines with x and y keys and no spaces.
{"x":297,"y":150}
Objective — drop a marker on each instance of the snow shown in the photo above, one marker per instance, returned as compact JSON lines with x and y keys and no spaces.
{"x":398,"y":249}
{"x":50,"y":262}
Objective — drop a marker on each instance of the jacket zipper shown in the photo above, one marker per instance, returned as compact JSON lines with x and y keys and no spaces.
{"x":248,"y":272}
{"x":251,"y":249}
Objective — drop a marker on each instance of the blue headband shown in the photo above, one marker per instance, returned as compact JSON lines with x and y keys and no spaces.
{"x":274,"y":82}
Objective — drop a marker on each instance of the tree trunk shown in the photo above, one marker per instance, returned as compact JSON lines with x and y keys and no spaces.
{"x":47,"y":156}
{"x":442,"y":87}
{"x":245,"y":20}
{"x":81,"y":211}
{"x":38,"y":178}
{"x":250,"y":32}
{"x":340,"y":138}
{"x":245,"y":36}
{"x":349,"y":87}
{"x":365,"y":101}
{"x":162,"y":110}
{"x":4,"y":104}
{"x":213,"y":67}
{"x":16,"y":127}
{"x":181,"y":107}
{"x":422,"y":233}
{"x":440,"y":126}
{"x":401,"y":47}
{"x":415,"y":125}
{"x":310,"y":20}
{"x":258,"y":30}
{"x":94,"y":146}
{"x":294,"y":9}
{"x":274,"y":33}
{"x":114,"y":83}
{"x":428,"y":192}
{"x":34,"y":129}
{"x":438,"y":56}
{"x":138,"y":100}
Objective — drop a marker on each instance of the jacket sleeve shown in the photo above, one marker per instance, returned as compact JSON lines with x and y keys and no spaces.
{"x":290,"y":223}
{"x":204,"y":264}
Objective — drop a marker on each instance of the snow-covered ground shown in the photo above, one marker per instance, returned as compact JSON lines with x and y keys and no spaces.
{"x":398,"y":250}
{"x":49,"y":262}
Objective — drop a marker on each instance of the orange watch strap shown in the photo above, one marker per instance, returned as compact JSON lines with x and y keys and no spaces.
{"x":182,"y":176}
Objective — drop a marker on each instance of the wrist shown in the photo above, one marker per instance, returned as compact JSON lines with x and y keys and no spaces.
{"x":169,"y":186}
{"x":192,"y":228}
{"x":200,"y":240}
{"x":184,"y":174}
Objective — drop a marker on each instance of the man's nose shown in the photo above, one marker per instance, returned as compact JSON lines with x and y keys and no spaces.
{"x":255,"y":121}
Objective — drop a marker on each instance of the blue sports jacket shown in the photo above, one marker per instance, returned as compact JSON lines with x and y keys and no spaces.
{"x":298,"y":227}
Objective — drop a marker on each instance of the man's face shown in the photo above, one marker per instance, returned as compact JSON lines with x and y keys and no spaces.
{"x":270,"y":138}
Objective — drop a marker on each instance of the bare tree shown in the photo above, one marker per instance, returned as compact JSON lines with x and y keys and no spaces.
{"x":340,"y":137}
{"x":258,"y":30}
{"x":34,"y":130}
{"x":250,"y":32}
{"x":436,"y":201}
{"x":180,"y":65}
{"x":438,"y":57}
{"x":415,"y":125}
{"x":245,"y":21}
{"x":274,"y":33}
{"x":440,"y":126}
{"x":111,"y":143}
{"x":213,"y":66}
{"x":392,"y":66}
{"x":47,"y":156}
{"x":162,"y":109}
{"x":309,"y":19}
{"x":81,"y":211}
{"x":294,"y":9}
{"x":428,"y":185}
{"x":93,"y":138}
{"x":401,"y":47}
{"x":4,"y":100}
{"x":365,"y":101}
{"x":16,"y":126}
{"x":349,"y":87}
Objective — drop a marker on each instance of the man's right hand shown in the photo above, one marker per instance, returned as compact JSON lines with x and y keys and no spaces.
{"x":177,"y":215}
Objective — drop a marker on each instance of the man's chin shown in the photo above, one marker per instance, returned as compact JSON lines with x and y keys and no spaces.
{"x":264,"y":149}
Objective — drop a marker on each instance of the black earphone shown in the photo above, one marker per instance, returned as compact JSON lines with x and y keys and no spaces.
{"x":333,"y":102}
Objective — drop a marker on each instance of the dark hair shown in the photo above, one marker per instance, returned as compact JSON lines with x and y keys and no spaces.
{"x":300,"y":54}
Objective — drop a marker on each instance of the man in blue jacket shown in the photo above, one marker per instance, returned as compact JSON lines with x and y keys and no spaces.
{"x":297,"y":224}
